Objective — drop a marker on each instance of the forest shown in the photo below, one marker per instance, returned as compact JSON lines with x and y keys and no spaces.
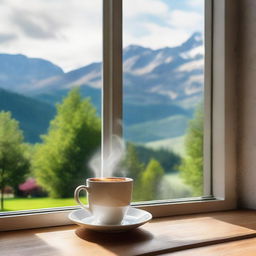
{"x":53,"y":167}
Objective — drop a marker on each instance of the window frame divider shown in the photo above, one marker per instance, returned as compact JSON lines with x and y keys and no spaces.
{"x":112,"y":94}
{"x":208,"y":104}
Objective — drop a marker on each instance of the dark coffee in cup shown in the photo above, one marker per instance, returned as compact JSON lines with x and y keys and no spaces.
{"x":110,"y":179}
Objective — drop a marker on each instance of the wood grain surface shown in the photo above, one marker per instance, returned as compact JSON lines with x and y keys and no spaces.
{"x":162,"y":235}
{"x":246,"y":247}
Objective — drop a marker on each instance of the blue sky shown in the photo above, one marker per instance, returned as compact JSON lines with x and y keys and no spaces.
{"x":186,"y":5}
{"x":161,"y":23}
{"x":69,"y":33}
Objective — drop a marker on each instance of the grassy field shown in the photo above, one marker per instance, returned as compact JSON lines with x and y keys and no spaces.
{"x":171,"y":188}
{"x":16,"y":204}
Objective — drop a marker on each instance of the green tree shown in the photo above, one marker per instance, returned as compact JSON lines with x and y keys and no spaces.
{"x":151,"y":180}
{"x":60,"y":162}
{"x":168,"y":159}
{"x":132,"y":163}
{"x":192,"y":165}
{"x":133,"y":169}
{"x":13,"y":162}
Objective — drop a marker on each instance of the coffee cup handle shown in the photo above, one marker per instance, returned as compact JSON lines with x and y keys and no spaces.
{"x":76,"y":196}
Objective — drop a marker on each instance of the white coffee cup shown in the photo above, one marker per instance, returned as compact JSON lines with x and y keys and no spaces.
{"x":108,"y":198}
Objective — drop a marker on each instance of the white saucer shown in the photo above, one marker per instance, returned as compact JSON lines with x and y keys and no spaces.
{"x":133,"y":219}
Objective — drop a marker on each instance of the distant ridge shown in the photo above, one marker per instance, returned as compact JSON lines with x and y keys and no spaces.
{"x":161,"y":85}
{"x":166,"y":75}
{"x":34,"y":116}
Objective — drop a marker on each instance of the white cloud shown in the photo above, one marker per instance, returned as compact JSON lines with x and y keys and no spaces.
{"x":196,"y":3}
{"x":185,"y":20}
{"x":154,"y":26}
{"x":135,"y":8}
{"x":175,"y":28}
{"x":69,"y":33}
{"x":158,"y":36}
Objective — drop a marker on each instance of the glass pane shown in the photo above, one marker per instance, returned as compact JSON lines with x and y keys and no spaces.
{"x":163,"y":61}
{"x":50,"y":99}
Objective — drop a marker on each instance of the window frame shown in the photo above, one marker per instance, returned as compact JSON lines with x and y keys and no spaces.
{"x":219,"y":128}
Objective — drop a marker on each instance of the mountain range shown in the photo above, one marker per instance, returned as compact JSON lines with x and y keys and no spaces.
{"x":164,"y":85}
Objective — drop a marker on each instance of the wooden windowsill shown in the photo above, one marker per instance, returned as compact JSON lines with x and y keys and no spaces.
{"x":198,"y":234}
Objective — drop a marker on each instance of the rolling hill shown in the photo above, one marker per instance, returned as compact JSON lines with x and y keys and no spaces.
{"x":34,"y":116}
{"x":170,"y":127}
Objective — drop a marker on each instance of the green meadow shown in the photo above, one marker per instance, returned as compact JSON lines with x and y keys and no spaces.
{"x":17,"y":204}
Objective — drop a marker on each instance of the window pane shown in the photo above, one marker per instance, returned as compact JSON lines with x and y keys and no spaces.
{"x":50,"y":64}
{"x":163,"y":60}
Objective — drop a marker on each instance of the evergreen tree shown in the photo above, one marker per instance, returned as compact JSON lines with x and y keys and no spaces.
{"x":151,"y":181}
{"x":192,"y":165}
{"x":168,"y":159}
{"x":133,"y":168}
{"x":60,"y":162}
{"x":131,"y":163}
{"x":13,"y":162}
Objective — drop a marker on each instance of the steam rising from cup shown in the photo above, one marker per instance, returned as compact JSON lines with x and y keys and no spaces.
{"x":104,"y":165}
